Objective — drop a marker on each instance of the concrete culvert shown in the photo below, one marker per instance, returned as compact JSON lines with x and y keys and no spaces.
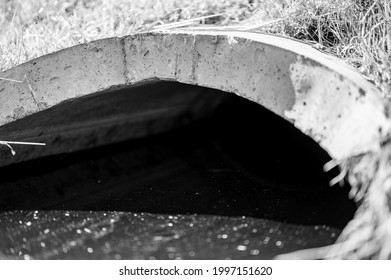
{"x":167,"y":123}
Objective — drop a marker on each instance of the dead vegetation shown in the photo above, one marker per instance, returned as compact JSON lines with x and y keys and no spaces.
{"x":359,"y":31}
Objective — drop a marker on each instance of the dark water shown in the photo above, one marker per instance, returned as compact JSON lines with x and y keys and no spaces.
{"x":125,"y":235}
{"x":242,"y":166}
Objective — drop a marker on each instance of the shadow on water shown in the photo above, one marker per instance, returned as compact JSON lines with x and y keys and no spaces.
{"x":241,"y":161}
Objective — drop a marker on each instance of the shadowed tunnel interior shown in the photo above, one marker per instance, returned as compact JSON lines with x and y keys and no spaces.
{"x":238,"y":159}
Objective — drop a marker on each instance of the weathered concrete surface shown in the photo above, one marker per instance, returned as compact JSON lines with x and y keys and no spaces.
{"x":323,"y":98}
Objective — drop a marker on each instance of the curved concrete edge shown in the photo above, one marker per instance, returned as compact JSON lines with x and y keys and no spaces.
{"x":324,"y":98}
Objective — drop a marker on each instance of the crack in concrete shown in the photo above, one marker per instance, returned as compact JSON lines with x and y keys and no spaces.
{"x":176,"y":66}
{"x":124,"y":59}
{"x":194,"y":59}
{"x":32,"y":93}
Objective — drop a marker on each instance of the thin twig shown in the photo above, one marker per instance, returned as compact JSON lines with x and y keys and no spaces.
{"x":23,"y":143}
{"x":8,"y":144}
{"x":185,"y":22}
{"x":11,"y":80}
{"x":237,"y":27}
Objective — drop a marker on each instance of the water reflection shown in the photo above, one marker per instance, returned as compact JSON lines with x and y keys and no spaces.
{"x":123,"y":235}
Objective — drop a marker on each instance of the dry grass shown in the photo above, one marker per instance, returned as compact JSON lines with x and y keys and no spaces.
{"x":32,"y":28}
{"x":358,"y":31}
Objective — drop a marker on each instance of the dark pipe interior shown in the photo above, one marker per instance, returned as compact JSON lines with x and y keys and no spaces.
{"x":242,"y":160}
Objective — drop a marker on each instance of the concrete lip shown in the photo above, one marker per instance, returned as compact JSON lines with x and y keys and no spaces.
{"x":324,"y":98}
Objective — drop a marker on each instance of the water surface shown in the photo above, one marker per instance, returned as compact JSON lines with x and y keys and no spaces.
{"x":242,"y":183}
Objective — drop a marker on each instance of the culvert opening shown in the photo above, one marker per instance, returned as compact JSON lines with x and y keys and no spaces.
{"x":193,"y":151}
